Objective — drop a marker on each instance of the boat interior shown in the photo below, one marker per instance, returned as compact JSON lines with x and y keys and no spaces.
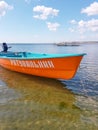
{"x":30,"y":55}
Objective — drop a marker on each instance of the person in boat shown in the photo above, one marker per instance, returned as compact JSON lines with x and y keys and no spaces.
{"x":5,"y":47}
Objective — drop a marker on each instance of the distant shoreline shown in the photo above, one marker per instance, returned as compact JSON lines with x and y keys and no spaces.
{"x":77,"y":43}
{"x":69,"y":43}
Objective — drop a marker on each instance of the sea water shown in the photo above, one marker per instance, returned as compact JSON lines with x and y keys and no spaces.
{"x":36,"y":103}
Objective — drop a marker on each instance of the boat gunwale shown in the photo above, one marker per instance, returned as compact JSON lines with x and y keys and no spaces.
{"x":42,"y":56}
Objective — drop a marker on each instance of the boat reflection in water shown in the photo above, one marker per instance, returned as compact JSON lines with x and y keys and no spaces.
{"x":35,"y":102}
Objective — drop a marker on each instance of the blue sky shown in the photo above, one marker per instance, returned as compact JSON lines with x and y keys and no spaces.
{"x":48,"y":21}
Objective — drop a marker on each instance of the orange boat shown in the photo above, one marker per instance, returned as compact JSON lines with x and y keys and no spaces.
{"x":59,"y":66}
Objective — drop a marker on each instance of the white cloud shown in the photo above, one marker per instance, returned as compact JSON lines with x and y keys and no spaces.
{"x":28,"y":1}
{"x":4,"y":7}
{"x":73,"y":21}
{"x":71,"y":30}
{"x":91,"y":10}
{"x":44,"y":12}
{"x":53,"y":26}
{"x":91,"y":25}
{"x":85,"y":26}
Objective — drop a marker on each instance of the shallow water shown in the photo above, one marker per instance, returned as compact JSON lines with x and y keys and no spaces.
{"x":35,"y":103}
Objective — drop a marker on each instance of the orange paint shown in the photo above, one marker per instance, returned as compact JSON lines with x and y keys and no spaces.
{"x":58,"y":67}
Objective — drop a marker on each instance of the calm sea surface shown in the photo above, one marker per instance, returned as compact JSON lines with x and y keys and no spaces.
{"x":35,"y":103}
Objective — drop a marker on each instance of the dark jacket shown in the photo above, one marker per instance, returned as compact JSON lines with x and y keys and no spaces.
{"x":5,"y":47}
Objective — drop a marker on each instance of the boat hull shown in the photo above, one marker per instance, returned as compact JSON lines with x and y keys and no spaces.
{"x":59,"y":67}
